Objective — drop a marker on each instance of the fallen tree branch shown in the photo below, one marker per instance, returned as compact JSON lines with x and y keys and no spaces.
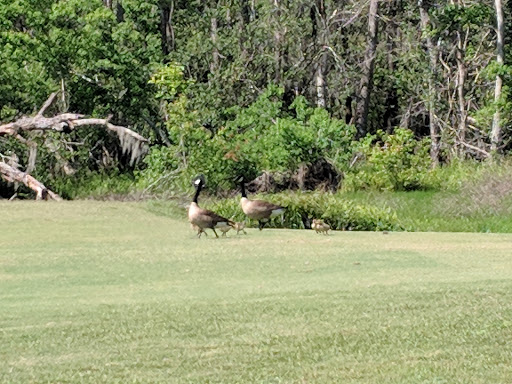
{"x":46,"y":104}
{"x":57,"y":123}
{"x":12,"y":175}
{"x":131,"y":141}
{"x":476,"y":149}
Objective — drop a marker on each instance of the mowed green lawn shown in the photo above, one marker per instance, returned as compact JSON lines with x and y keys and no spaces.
{"x":102,"y":292}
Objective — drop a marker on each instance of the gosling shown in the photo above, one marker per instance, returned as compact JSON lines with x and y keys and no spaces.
{"x":224,"y":230}
{"x":198,"y":230}
{"x":320,"y":227}
{"x":239,"y":226}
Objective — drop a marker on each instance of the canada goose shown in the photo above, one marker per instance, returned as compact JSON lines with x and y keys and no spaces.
{"x":204,"y":218}
{"x":258,"y":209}
{"x":320,"y":227}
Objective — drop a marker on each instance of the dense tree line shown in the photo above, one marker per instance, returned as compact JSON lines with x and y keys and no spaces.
{"x":320,"y":80}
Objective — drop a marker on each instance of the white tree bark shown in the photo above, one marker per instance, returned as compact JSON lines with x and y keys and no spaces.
{"x":368,"y":69}
{"x":496,"y":123}
{"x":131,"y":142}
{"x":214,"y":65}
{"x":432,"y":92}
{"x":14,"y":175}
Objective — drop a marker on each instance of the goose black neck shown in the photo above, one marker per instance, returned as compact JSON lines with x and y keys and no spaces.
{"x":198,"y":190}
{"x":242,"y":185}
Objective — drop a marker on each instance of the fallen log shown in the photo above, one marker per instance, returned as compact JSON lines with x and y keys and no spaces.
{"x":131,"y":141}
{"x":13,"y":175}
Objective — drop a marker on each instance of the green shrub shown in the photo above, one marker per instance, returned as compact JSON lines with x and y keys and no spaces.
{"x":393,"y":162}
{"x":272,"y":138}
{"x":265,"y":136}
{"x":229,"y":208}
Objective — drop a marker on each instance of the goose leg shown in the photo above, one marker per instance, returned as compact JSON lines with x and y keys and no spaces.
{"x":214,"y":231}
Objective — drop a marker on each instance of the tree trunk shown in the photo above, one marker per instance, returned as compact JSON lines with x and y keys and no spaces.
{"x":320,"y":81}
{"x":245,"y":19}
{"x":320,"y":35}
{"x":277,"y":42}
{"x":214,"y":65}
{"x":368,"y":68}
{"x":166,"y":27}
{"x":392,"y":36}
{"x":119,"y":12}
{"x":461,"y":95}
{"x":496,"y":123}
{"x":432,"y":91}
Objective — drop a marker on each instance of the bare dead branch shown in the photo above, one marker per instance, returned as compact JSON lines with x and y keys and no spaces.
{"x":115,"y":128}
{"x":56,"y":123}
{"x":476,"y":149}
{"x":32,"y":156}
{"x":46,"y":104}
{"x":11,"y":174}
{"x":131,"y":142}
{"x":356,"y":14}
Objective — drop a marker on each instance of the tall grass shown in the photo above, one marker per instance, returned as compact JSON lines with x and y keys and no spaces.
{"x":473,"y":199}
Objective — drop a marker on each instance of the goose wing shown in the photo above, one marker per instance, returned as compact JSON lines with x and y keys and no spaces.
{"x":208,"y":216}
{"x":264,"y":206}
{"x":260,"y":209}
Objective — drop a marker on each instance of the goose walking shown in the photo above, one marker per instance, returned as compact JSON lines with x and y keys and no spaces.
{"x":259,"y":209}
{"x":203,"y":218}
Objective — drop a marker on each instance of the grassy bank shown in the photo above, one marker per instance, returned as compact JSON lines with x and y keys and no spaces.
{"x":112,"y":293}
{"x":423,"y":211}
{"x":417,"y":211}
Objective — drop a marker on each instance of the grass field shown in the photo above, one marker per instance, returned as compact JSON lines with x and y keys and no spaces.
{"x":102,"y":292}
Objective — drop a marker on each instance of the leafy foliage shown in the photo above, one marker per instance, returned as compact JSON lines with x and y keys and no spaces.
{"x":395,"y":162}
{"x":228,"y":88}
{"x":263,"y":136}
{"x":452,"y":17}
